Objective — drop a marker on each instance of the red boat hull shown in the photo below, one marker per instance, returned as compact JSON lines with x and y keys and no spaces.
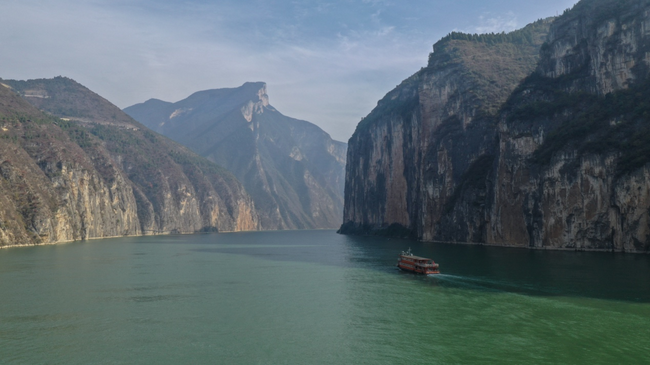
{"x":420,"y":265}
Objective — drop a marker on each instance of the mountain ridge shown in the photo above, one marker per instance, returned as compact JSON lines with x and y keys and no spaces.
{"x":295,"y":184}
{"x":91,"y":175}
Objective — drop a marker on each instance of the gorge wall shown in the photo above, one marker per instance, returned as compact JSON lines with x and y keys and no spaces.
{"x":97,"y":173}
{"x":572,"y":160}
{"x":292,"y":169}
{"x":542,"y":147}
{"x":406,"y":158}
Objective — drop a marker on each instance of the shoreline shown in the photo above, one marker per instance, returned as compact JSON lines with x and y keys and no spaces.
{"x":546,"y":248}
{"x":538,"y":248}
{"x":107,"y":237}
{"x":564,"y":249}
{"x":168,"y":233}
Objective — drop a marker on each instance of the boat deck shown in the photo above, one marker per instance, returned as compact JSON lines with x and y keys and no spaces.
{"x":414,"y":257}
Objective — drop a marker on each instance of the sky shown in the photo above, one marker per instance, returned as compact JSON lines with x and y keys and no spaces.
{"x":327,"y":62}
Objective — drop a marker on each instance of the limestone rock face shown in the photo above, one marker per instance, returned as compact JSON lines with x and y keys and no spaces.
{"x":72,"y":179}
{"x":45,"y":201}
{"x":407,"y":157}
{"x":561,"y":182}
{"x":559,"y":162}
{"x":292,"y":169}
{"x":602,"y":42}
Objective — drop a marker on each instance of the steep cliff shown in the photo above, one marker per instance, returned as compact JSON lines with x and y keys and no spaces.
{"x":73,"y":178}
{"x":573,"y":155}
{"x":292,"y":169}
{"x":563,"y":164}
{"x":407,"y":157}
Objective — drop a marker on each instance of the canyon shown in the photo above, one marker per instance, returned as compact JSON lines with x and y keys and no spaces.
{"x":534,"y":138}
{"x":80,"y":168}
{"x":293,"y":170}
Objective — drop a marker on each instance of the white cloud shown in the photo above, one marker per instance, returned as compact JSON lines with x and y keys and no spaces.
{"x":328,"y":63}
{"x":128,"y":57}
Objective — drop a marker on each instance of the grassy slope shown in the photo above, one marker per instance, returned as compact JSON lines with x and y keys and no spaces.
{"x":66,"y":98}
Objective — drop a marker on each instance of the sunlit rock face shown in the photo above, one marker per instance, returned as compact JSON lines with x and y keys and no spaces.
{"x":292,"y":169}
{"x":97,"y":173}
{"x":553,"y":160}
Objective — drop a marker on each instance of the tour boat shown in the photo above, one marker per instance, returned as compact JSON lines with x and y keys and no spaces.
{"x":421,"y":265}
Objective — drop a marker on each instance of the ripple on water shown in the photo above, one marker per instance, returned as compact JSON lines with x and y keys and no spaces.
{"x":272,"y":298}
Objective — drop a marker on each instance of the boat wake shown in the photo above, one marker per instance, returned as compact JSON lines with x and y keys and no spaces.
{"x":483,"y":283}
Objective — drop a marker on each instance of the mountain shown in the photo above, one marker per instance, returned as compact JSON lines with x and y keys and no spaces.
{"x":86,"y":170}
{"x":407,"y":156}
{"x":579,"y":177}
{"x":292,"y":169}
{"x":561,"y":163}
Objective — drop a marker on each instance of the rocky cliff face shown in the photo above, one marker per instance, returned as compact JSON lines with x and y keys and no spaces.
{"x":571,"y":166}
{"x":67,"y":179}
{"x":407,"y":157}
{"x":292,"y":169}
{"x":562,"y":164}
{"x":600,"y":44}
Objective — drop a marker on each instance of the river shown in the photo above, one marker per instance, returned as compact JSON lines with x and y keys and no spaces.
{"x":315,"y":297}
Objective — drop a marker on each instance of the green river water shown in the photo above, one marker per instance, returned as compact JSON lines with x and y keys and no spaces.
{"x":315,"y":297}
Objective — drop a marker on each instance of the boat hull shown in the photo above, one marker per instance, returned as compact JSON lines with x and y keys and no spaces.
{"x":416,"y":264}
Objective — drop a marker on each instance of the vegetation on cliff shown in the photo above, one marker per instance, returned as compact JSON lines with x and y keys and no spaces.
{"x":493,"y":64}
{"x":533,"y":35}
{"x":491,"y":146}
{"x":617,"y":123}
{"x":65,"y":98}
{"x":444,"y":115}
{"x":67,"y":179}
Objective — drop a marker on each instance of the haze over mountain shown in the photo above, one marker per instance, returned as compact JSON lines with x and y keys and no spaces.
{"x":292,"y":169}
{"x":98,"y":173}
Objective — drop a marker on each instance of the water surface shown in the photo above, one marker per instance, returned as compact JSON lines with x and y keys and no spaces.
{"x":315,"y":297}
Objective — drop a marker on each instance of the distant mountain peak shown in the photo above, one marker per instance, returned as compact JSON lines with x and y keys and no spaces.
{"x":293,"y":170}
{"x":256,"y":91}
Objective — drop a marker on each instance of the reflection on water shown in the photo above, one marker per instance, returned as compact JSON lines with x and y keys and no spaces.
{"x":317,"y":297}
{"x":614,"y":276}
